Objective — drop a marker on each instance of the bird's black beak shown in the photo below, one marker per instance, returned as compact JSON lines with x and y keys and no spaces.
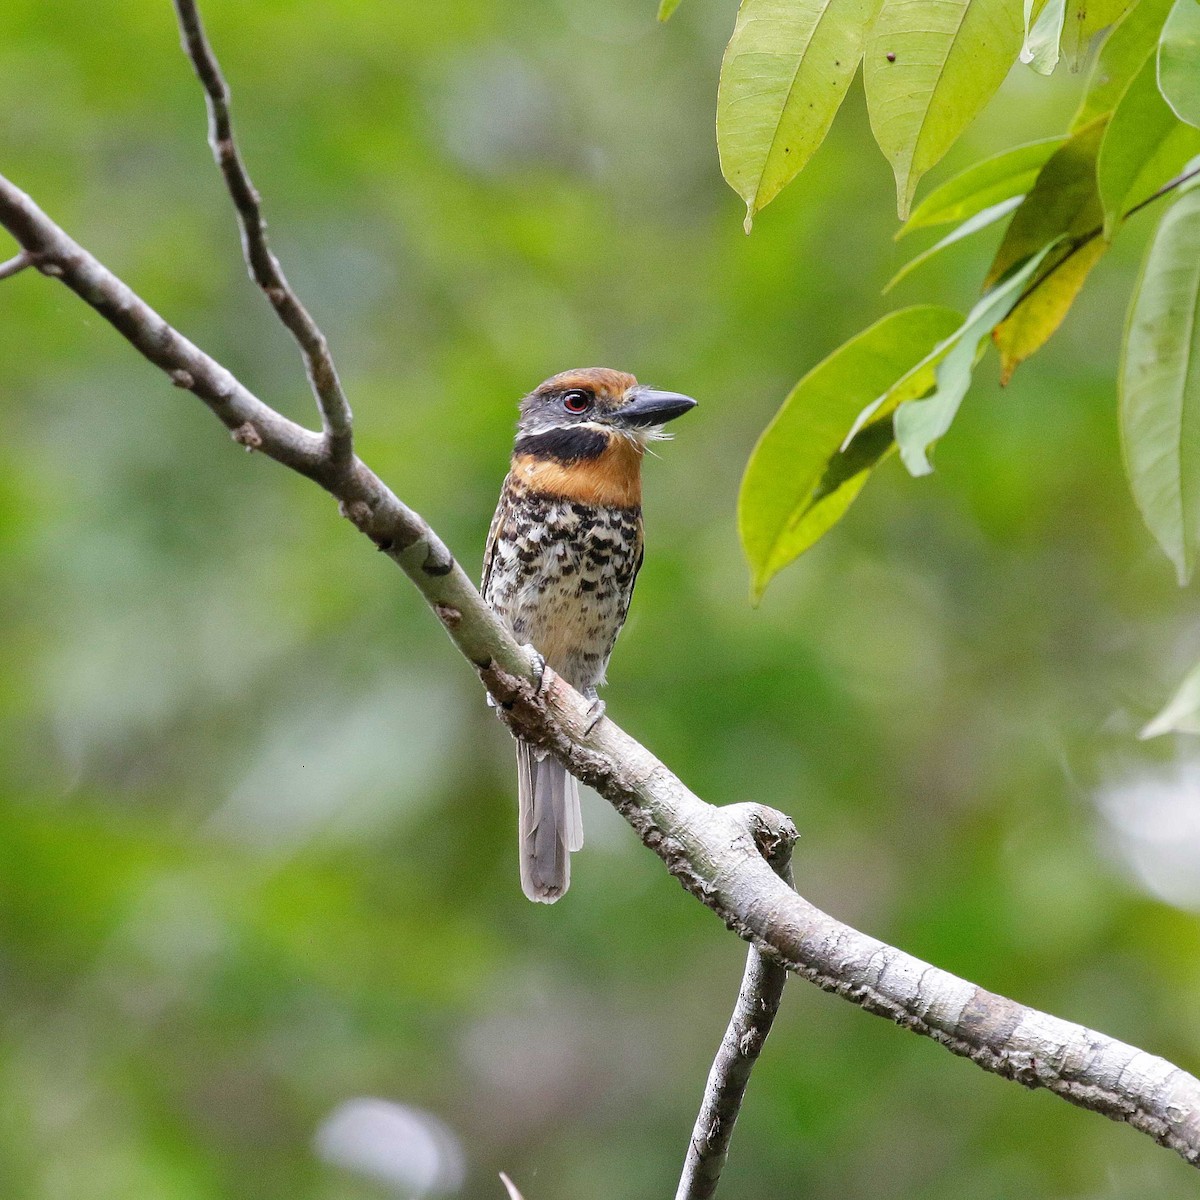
{"x":650,"y":407}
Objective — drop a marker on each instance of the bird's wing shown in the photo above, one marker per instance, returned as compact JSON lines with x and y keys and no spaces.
{"x":637,"y":566}
{"x":490,"y":549}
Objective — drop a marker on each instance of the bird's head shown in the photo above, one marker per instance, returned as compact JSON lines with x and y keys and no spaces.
{"x":581,"y":434}
{"x":592,"y":405}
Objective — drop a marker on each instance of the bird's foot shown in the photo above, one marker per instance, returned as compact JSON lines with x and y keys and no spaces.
{"x":596,"y":710}
{"x":538,"y":663}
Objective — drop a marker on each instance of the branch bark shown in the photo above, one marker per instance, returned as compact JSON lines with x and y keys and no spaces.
{"x":263,"y":265}
{"x":15,"y":266}
{"x":753,"y":1015}
{"x":713,"y":852}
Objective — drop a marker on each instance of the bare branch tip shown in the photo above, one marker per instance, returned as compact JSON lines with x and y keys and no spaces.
{"x":774,"y":834}
{"x":16,"y":265}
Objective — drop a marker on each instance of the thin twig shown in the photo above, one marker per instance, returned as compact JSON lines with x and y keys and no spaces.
{"x":16,"y":265}
{"x":753,"y":1015}
{"x":263,"y":265}
{"x":510,"y":1187}
{"x":1159,"y":193}
{"x":713,"y":852}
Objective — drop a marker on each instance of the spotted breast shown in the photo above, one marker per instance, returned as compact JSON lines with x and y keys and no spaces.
{"x":561,"y":574}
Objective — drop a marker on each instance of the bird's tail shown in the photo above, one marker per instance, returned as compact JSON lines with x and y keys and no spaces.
{"x":550,"y":824}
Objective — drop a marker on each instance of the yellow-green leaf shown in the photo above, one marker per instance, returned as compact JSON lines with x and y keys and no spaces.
{"x":1179,"y":61}
{"x":784,"y":75}
{"x":1144,"y":146}
{"x":1043,"y":308}
{"x":666,"y":9}
{"x":1010,"y":173}
{"x":798,"y":481}
{"x":1085,"y":19}
{"x":1063,"y":203}
{"x":930,"y":66}
{"x":1160,"y":386}
{"x":1061,"y":210}
{"x":920,"y":423}
{"x":1131,"y":41}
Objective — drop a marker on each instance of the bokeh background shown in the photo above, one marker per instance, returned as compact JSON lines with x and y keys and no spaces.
{"x":260,"y":927}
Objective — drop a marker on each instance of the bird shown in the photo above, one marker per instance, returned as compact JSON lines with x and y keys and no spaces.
{"x":562,"y":556}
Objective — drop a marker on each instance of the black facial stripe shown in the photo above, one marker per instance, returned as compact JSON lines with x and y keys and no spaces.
{"x":566,"y":444}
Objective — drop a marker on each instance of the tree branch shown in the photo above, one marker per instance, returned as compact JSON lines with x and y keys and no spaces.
{"x":15,"y":265}
{"x":263,"y":265}
{"x":753,"y":1015}
{"x":713,"y":852}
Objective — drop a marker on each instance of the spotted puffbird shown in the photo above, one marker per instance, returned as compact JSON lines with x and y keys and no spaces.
{"x":562,"y":556}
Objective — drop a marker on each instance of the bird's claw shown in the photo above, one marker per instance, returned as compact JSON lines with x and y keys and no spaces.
{"x":538,"y":666}
{"x":596,"y":710}
{"x":537,"y":663}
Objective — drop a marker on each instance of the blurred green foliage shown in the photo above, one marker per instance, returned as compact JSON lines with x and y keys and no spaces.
{"x":256,"y":844}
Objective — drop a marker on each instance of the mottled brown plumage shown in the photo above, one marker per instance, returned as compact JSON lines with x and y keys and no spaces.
{"x":561,"y":561}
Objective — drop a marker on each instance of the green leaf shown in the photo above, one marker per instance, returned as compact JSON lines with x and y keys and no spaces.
{"x":1062,"y":211}
{"x":666,"y":9}
{"x":1121,"y":56}
{"x":1160,"y":386}
{"x":919,"y":423}
{"x":798,"y":481}
{"x":1179,"y":61}
{"x":1182,"y":712}
{"x":930,"y":66}
{"x":1085,"y":19}
{"x":1043,"y":33}
{"x":981,"y":220}
{"x":1044,"y":306}
{"x":784,"y":75}
{"x":919,"y":381}
{"x":1063,"y":203}
{"x":1011,"y":173}
{"x":1144,"y":146}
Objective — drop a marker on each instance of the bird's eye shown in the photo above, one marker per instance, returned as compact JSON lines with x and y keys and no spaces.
{"x":576,"y":401}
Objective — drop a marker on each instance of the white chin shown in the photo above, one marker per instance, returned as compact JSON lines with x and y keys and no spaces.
{"x":652,"y":433}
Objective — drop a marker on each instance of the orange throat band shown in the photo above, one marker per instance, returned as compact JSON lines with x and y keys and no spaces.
{"x":613,"y":478}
